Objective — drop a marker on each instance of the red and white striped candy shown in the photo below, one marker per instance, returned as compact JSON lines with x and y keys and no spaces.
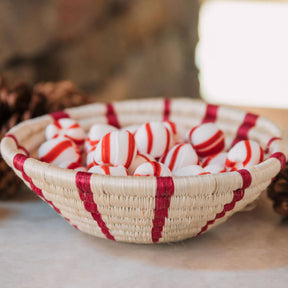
{"x":96,"y":132}
{"x":109,"y":170}
{"x":139,"y":159}
{"x":152,"y":168}
{"x":177,"y":130}
{"x":244,"y":154}
{"x":191,"y":170}
{"x":68,"y":128}
{"x":90,"y":162}
{"x":116,"y":148}
{"x":215,"y":163}
{"x":153,"y":138}
{"x":74,"y":166}
{"x":59,"y":150}
{"x":132,"y":129}
{"x":207,"y":139}
{"x":215,"y":168}
{"x":179,"y":156}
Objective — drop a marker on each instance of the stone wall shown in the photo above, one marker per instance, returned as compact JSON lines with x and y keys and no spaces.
{"x":113,"y":49}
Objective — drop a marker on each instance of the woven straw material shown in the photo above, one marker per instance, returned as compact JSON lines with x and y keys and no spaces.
{"x":147,"y":209}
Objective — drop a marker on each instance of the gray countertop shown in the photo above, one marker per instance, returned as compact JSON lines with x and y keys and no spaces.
{"x":40,"y":249}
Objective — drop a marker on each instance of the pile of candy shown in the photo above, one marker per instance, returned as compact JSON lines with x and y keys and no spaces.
{"x":152,"y":149}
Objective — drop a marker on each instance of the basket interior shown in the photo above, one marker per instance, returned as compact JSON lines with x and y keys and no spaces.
{"x":138,"y":112}
{"x":132,"y":208}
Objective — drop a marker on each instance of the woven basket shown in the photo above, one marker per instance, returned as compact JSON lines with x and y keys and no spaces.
{"x":147,"y":209}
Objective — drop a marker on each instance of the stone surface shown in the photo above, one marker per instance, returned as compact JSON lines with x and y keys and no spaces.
{"x":38,"y":247}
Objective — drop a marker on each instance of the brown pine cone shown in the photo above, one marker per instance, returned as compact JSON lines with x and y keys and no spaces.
{"x":60,"y":95}
{"x":278,"y":192}
{"x":23,"y":102}
{"x":13,"y":103}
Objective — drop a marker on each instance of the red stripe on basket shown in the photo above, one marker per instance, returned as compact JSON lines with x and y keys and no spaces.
{"x":167,"y":111}
{"x":281,"y":157}
{"x":248,"y":123}
{"x":17,"y":143}
{"x":164,"y":192}
{"x":237,"y":196}
{"x":59,"y":115}
{"x":211,"y":113}
{"x":18,"y":162}
{"x":82,"y":181}
{"x":111,"y":115}
{"x":57,"y":124}
{"x":270,"y":142}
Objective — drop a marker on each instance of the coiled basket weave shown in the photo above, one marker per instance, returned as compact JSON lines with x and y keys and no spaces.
{"x":147,"y":209}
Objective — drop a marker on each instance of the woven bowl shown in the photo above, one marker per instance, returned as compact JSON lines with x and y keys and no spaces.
{"x":147,"y":209}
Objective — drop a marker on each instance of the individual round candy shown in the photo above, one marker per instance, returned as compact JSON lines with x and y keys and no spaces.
{"x":215,"y":163}
{"x":207,"y":139}
{"x":59,"y":150}
{"x":67,"y":128}
{"x":152,"y":168}
{"x":178,"y":131}
{"x":139,"y":159}
{"x":179,"y":156}
{"x":96,"y":132}
{"x":191,"y":170}
{"x":73,"y":166}
{"x":244,"y":154}
{"x":116,"y":148}
{"x":109,"y":170}
{"x":153,"y":138}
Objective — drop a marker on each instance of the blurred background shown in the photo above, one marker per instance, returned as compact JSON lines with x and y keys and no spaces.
{"x":232,"y":52}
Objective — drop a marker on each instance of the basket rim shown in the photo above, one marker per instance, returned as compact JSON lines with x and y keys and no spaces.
{"x":9,"y":149}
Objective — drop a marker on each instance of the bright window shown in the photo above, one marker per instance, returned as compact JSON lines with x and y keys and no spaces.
{"x":243,"y":53}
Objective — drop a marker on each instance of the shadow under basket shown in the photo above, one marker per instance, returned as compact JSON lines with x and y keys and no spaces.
{"x":147,"y":209}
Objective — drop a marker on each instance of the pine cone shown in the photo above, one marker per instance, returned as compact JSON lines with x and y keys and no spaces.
{"x":23,"y":102}
{"x":60,"y":95}
{"x":278,"y":192}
